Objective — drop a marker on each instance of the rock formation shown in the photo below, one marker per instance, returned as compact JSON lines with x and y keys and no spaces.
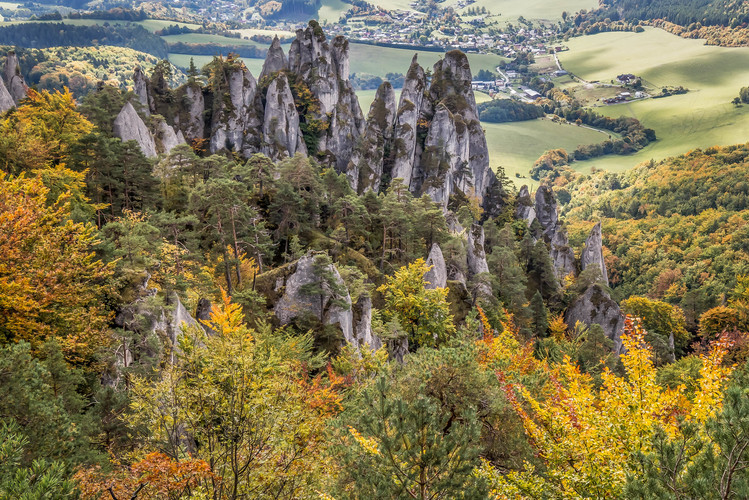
{"x":593,"y":253}
{"x":6,"y":100}
{"x":128,"y":126}
{"x":275,"y":60}
{"x":525,"y":208}
{"x":166,"y":138}
{"x":436,"y":277}
{"x":193,"y":124}
{"x":363,"y":335}
{"x":367,"y":162}
{"x":562,"y":254}
{"x":324,"y":67}
{"x":235,"y":120}
{"x":14,"y":82}
{"x":295,"y":302}
{"x":282,"y":135}
{"x":141,"y":89}
{"x":595,"y":306}
{"x":407,"y":117}
{"x":546,"y":211}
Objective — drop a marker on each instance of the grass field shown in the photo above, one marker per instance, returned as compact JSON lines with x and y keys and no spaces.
{"x":210,"y":39}
{"x":331,"y":11}
{"x":542,"y":10}
{"x":255,"y":31}
{"x":701,"y":118}
{"x":515,"y":146}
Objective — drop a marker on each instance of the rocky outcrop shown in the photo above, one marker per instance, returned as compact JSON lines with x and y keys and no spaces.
{"x":436,"y":277}
{"x":546,"y":211}
{"x":593,"y":253}
{"x":367,"y":163}
{"x":475,"y":253}
{"x":407,"y":117}
{"x":325,"y":69}
{"x":275,"y":61}
{"x":235,"y":123}
{"x":128,"y":126}
{"x":14,"y":83}
{"x":282,"y":135}
{"x":6,"y":100}
{"x":141,"y":89}
{"x":296,"y":302}
{"x":525,"y":209}
{"x":166,"y":138}
{"x":562,"y":255}
{"x":194,"y":122}
{"x":363,"y":335}
{"x":595,"y":306}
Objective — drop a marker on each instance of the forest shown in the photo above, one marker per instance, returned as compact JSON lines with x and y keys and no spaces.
{"x":508,"y":110}
{"x":143,"y":353}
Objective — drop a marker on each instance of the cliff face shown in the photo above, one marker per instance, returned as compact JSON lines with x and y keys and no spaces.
{"x":282,"y":135}
{"x":128,"y":126}
{"x":275,"y":61}
{"x":593,"y":253}
{"x":234,"y":119}
{"x":141,"y":89}
{"x":407,"y":117}
{"x":367,"y":162}
{"x":6,"y":100}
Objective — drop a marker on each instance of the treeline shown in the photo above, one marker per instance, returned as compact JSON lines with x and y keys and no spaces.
{"x":634,"y":135}
{"x":114,"y":14}
{"x":730,"y":13}
{"x":209,"y":49}
{"x":42,"y":35}
{"x":508,"y":110}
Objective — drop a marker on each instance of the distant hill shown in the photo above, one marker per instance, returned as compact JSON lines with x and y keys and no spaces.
{"x":730,"y":13}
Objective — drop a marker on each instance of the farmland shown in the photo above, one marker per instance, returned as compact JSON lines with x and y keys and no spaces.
{"x":701,"y":118}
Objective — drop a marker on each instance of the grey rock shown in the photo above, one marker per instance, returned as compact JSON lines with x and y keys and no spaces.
{"x":363,"y":335}
{"x":294,"y":302}
{"x":525,"y":208}
{"x":595,"y":306}
{"x":475,"y":251}
{"x":6,"y":100}
{"x":365,"y":168}
{"x":275,"y":60}
{"x":562,"y":255}
{"x":14,"y":82}
{"x":128,"y":126}
{"x":436,"y":277}
{"x":166,"y":138}
{"x":546,"y":210}
{"x":593,"y":253}
{"x":140,"y":87}
{"x":235,"y":121}
{"x":409,"y":110}
{"x":195,"y":126}
{"x":282,"y":135}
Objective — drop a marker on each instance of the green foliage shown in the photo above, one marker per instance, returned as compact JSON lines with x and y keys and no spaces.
{"x":508,"y":110}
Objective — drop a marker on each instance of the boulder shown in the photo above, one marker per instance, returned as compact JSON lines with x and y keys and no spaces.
{"x":595,"y":306}
{"x":282,"y":135}
{"x":128,"y":126}
{"x":295,"y":302}
{"x":593,"y":253}
{"x":436,"y":277}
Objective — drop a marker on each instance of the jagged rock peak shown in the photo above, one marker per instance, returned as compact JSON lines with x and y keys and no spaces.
{"x":194,"y":128}
{"x":593,"y":252}
{"x":275,"y":60}
{"x":436,"y":277}
{"x":14,"y":82}
{"x":6,"y":100}
{"x":561,"y":253}
{"x":282,"y":135}
{"x":445,"y":149}
{"x":409,"y":110}
{"x":525,"y":209}
{"x":140,"y":87}
{"x":166,"y":138}
{"x":475,"y":250}
{"x":128,"y":126}
{"x":366,"y":166}
{"x":595,"y":306}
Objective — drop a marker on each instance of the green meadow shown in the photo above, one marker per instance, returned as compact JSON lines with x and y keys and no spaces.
{"x":331,"y":11}
{"x":538,"y":10}
{"x":701,"y":118}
